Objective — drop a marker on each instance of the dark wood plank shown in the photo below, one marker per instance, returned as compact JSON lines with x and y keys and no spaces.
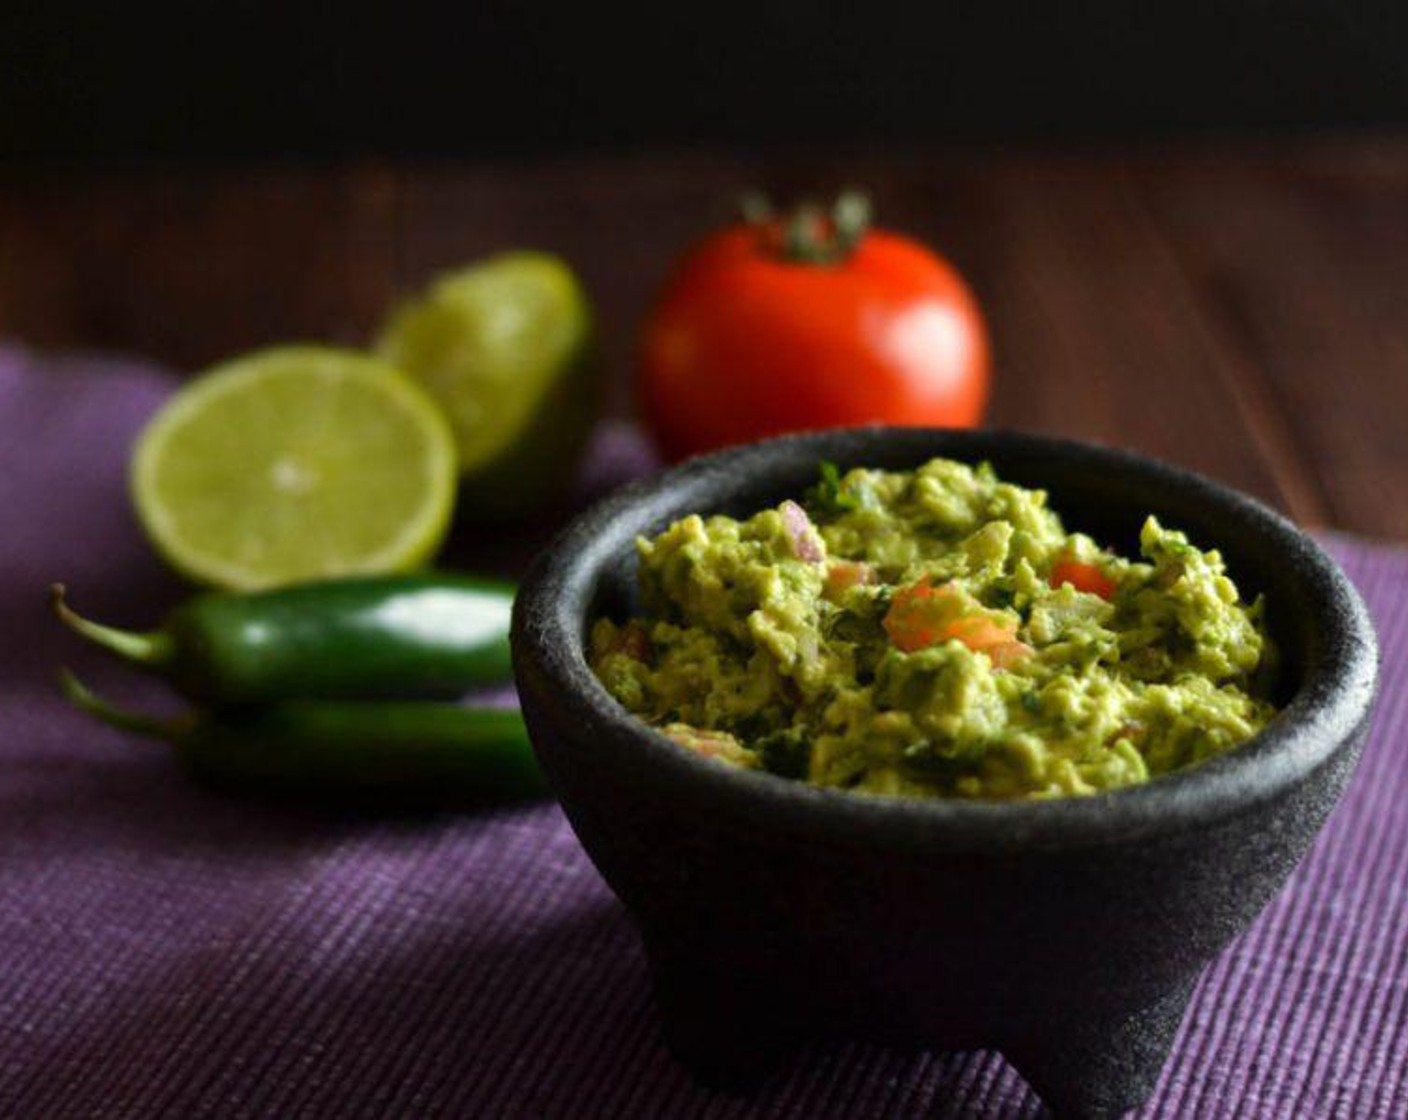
{"x":1300,"y":264}
{"x":1242,"y":313}
{"x":188,"y":268}
{"x":619,"y":222}
{"x":1095,"y":334}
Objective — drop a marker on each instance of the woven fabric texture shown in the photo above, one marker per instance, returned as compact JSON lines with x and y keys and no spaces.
{"x":165,"y":952}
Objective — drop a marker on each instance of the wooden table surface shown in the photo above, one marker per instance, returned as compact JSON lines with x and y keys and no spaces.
{"x":1242,"y":310}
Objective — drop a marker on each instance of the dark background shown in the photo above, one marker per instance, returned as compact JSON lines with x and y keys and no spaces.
{"x":132,"y":82}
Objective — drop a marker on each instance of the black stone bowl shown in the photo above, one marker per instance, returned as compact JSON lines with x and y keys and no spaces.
{"x":1066,"y":933}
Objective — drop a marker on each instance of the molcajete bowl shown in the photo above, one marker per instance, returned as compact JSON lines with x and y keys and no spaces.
{"x":1066,"y":933}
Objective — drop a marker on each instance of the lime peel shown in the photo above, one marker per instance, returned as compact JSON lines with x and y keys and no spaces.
{"x":497,"y":343}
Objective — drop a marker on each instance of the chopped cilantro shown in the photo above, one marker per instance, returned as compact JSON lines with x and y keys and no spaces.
{"x":828,"y":497}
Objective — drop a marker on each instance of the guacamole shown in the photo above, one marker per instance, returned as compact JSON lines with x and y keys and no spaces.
{"x":936,"y":633}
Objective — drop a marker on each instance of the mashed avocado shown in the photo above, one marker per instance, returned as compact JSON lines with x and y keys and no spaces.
{"x":936,"y":633}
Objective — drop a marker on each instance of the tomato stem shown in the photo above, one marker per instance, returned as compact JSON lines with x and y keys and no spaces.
{"x":755,"y":208}
{"x":850,"y":216}
{"x":809,"y":233}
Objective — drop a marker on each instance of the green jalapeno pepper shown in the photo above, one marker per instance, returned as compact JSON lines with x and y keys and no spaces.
{"x":383,"y":754}
{"x":393,"y":636}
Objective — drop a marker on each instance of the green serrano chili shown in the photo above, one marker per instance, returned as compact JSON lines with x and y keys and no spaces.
{"x":418,"y":636}
{"x":383,"y":754}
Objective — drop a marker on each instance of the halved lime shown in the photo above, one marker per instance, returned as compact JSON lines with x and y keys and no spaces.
{"x":506,"y":347}
{"x":295,"y":463}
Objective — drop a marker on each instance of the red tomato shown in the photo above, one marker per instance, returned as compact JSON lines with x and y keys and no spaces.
{"x":1083,"y":577}
{"x":761,"y":331}
{"x":921,"y":615}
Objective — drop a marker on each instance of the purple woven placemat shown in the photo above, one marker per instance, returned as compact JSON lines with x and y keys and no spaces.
{"x":166,"y":952}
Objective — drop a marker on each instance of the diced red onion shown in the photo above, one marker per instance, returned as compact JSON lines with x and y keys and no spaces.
{"x":806,"y":541}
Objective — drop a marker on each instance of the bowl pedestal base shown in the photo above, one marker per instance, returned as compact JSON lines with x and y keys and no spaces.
{"x":1084,"y":1066}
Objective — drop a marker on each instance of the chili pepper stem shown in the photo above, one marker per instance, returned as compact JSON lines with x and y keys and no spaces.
{"x":144,"y":648}
{"x":81,"y":696}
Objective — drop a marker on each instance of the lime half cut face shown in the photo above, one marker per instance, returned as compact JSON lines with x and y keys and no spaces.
{"x":295,"y":463}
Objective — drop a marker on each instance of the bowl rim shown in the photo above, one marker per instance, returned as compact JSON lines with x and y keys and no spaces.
{"x":1323,"y":717}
